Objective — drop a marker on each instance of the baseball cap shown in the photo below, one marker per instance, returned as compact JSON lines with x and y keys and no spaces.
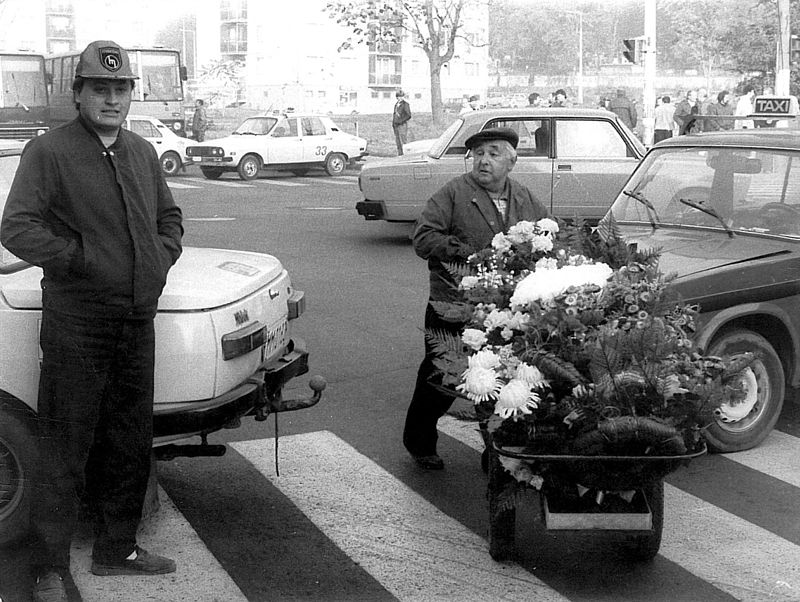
{"x":104,"y":59}
{"x":488,"y":134}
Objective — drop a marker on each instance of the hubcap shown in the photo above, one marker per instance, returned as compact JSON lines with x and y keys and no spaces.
{"x":736,"y":413}
{"x":250,"y":168}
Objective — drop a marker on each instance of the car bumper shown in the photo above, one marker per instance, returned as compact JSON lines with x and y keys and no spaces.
{"x":180,"y":420}
{"x":371,"y":210}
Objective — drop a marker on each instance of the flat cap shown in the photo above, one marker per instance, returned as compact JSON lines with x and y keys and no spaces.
{"x":489,"y":134}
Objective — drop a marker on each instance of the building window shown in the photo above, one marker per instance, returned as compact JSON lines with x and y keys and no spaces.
{"x":233,"y":38}
{"x":233,"y":10}
{"x":471,"y":69}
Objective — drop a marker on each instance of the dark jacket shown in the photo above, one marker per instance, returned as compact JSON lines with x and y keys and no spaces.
{"x":402,"y":112}
{"x":100,"y":222}
{"x":686,"y":116}
{"x":460,"y":219}
{"x":623,"y":107}
{"x":711,"y":125}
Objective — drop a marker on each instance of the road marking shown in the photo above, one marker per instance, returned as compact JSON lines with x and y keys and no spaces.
{"x":279,"y":182}
{"x":778,"y":456}
{"x":337,"y":181}
{"x":413,"y":549}
{"x":715,"y":545}
{"x":209,"y":219}
{"x":178,"y":185}
{"x":199,"y":576}
{"x":231,"y":184}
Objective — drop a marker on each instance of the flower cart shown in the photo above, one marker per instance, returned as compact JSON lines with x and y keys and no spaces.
{"x":585,"y":379}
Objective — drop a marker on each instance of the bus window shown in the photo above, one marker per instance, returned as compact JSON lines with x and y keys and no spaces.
{"x":22,"y":81}
{"x":159,"y":73}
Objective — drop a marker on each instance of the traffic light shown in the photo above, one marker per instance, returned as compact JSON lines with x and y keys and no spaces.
{"x":794,"y":50}
{"x":633,"y":50}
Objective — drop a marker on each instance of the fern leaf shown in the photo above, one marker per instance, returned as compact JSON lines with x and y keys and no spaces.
{"x":455,"y":312}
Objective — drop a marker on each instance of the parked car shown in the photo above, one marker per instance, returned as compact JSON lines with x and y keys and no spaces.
{"x":287,"y":141}
{"x":170,"y":147}
{"x":224,"y":350}
{"x":724,"y":209}
{"x":574,"y":160}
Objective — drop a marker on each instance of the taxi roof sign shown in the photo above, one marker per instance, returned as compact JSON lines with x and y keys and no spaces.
{"x":775,"y":105}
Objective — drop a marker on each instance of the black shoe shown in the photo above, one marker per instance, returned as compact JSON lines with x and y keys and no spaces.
{"x":49,"y":587}
{"x":144,"y":563}
{"x":432,"y":462}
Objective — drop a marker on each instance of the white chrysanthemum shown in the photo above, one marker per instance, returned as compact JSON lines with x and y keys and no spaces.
{"x":546,"y":263}
{"x":519,"y":321}
{"x":473,"y":338}
{"x":479,"y":384}
{"x":548,"y":225}
{"x":469,"y":282}
{"x":530,"y":374}
{"x":485,"y":358}
{"x":507,"y":334}
{"x":521,"y":232}
{"x":515,"y":398}
{"x":497,"y":318}
{"x":500,"y":243}
{"x":546,"y":285}
{"x":542,"y":243}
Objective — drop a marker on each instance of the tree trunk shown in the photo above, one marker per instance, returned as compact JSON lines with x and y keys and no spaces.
{"x":437,"y":110}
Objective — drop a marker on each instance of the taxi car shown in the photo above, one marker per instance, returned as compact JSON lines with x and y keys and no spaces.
{"x":170,"y":147}
{"x":724,"y":210}
{"x":287,"y":141}
{"x":224,"y":350}
{"x":573,"y":160}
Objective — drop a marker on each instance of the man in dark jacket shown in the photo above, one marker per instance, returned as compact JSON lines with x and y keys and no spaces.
{"x":90,"y":206}
{"x":624,"y":109}
{"x":458,"y":220}
{"x":400,"y":118}
{"x":686,"y":113}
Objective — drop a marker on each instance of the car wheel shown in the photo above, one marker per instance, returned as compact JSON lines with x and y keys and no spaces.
{"x":170,"y":163}
{"x":17,"y":459}
{"x":746,"y":424}
{"x":335,"y":164}
{"x":248,"y":167}
{"x":211,"y":173}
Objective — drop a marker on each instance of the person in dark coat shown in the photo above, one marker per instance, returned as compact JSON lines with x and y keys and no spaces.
{"x":458,"y":220}
{"x":400,"y":118}
{"x":686,"y":113}
{"x":624,"y":109}
{"x":90,"y":206}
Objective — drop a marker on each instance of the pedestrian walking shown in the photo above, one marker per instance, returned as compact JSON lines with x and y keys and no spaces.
{"x":744,"y":107}
{"x":664,"y":120}
{"x":199,"y":121}
{"x":686,"y":112}
{"x":90,"y":206}
{"x":473,"y":104}
{"x":624,"y":109}
{"x":722,"y":107}
{"x":400,"y":118}
{"x":458,"y":220}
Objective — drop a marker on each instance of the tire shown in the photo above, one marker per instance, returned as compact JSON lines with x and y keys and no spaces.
{"x":731,"y":431}
{"x":335,"y":164}
{"x":248,"y":167}
{"x":645,"y":546}
{"x":17,"y":463}
{"x":170,"y":163}
{"x":211,"y":173}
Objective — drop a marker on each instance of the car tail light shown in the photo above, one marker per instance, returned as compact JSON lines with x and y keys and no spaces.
{"x":297,"y":304}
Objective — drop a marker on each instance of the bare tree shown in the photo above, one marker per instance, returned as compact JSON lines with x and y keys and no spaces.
{"x":433,"y":25}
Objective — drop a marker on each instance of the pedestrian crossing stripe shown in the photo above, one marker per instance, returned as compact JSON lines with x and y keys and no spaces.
{"x":180,"y":186}
{"x":417,"y":552}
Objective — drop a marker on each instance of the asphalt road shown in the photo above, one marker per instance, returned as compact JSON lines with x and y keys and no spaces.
{"x":351,"y":517}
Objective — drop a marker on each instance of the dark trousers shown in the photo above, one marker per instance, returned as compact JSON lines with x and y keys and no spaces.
{"x":659,"y":135}
{"x":199,"y":135}
{"x":427,"y":403}
{"x":95,"y":409}
{"x":400,"y":136}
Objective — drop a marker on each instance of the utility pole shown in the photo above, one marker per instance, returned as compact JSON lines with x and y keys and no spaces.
{"x":782,"y":64}
{"x":649,"y":93}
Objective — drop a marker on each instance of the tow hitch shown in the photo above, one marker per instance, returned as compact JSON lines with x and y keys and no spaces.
{"x":276,"y":403}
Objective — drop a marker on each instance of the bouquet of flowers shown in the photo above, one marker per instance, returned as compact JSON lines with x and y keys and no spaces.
{"x":575,"y":343}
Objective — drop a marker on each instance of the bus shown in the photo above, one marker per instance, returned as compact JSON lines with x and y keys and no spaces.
{"x":23,"y":95}
{"x":158,"y":92}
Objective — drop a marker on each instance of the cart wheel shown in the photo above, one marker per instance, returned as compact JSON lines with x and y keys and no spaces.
{"x":646,"y":545}
{"x":502,"y":519}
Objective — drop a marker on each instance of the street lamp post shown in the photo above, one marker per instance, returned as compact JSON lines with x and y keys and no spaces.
{"x":580,"y":52}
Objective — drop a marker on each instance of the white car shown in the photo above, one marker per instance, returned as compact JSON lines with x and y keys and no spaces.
{"x":223,"y":350}
{"x":170,"y":147}
{"x":285,"y":141}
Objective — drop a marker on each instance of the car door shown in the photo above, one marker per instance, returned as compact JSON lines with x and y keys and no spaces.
{"x":317,"y":140}
{"x":592,"y":161}
{"x":148,"y":131}
{"x":284,"y":143}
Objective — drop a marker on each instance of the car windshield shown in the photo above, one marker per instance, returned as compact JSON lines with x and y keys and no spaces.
{"x":256,"y":126}
{"x":438,"y":148}
{"x":8,"y":166}
{"x":732,"y":189}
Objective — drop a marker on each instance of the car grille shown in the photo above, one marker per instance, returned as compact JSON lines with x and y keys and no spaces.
{"x":204,"y":151}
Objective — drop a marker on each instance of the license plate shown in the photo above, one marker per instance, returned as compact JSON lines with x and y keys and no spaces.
{"x":275,"y":339}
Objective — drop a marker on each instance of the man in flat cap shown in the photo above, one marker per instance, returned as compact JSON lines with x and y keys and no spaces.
{"x":90,"y":206}
{"x":458,"y":220}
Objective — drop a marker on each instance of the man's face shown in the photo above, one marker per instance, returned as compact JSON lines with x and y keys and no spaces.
{"x":491,"y":163}
{"x":560,"y":98}
{"x":691,"y":96}
{"x":104,"y":103}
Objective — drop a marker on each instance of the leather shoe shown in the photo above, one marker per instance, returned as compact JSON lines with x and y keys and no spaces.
{"x":432,"y":462}
{"x":49,"y":587}
{"x":143,"y":563}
